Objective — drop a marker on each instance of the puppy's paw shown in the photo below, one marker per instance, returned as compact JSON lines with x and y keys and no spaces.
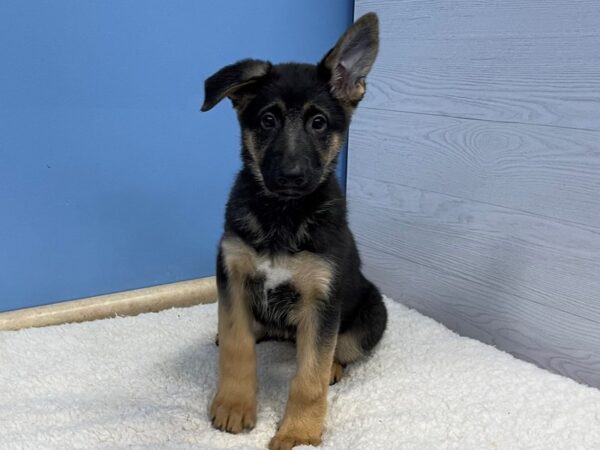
{"x":233,"y":414}
{"x":286,"y":441}
{"x":336,"y":374}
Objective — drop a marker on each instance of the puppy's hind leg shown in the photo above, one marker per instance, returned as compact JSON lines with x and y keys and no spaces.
{"x":337,"y":372}
{"x":366,"y":329}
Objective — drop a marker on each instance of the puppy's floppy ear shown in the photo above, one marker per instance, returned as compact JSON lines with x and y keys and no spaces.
{"x":231,"y":78}
{"x":349,"y":62}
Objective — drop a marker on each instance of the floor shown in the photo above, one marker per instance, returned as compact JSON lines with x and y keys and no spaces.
{"x":145,"y":382}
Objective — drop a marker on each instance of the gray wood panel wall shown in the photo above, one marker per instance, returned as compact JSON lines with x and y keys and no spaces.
{"x":474,"y":172}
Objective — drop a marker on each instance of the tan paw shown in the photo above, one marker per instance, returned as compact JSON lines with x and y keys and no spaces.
{"x":337,"y":372}
{"x":233,"y":414}
{"x":286,"y":441}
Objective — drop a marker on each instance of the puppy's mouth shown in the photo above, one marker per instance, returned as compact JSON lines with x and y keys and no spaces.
{"x":289,"y":194}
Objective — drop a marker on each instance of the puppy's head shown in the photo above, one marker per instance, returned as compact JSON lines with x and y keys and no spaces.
{"x":294,"y":117}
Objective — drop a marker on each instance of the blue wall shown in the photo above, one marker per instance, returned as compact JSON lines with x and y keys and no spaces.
{"x":110,"y":178}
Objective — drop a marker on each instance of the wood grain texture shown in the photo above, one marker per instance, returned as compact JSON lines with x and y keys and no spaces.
{"x":548,"y":171}
{"x":529,"y":257}
{"x":474,"y":172}
{"x":514,"y":61}
{"x":551,"y":339}
{"x":515,"y":280}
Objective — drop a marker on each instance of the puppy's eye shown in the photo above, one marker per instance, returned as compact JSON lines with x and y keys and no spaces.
{"x":318,"y":123}
{"x":268,"y":121}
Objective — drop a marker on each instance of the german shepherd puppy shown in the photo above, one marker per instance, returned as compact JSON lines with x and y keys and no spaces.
{"x":288,"y":266}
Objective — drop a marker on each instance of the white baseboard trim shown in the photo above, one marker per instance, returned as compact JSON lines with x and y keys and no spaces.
{"x":127,"y":303}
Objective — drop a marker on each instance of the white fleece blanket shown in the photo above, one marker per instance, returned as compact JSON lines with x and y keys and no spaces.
{"x":145,"y":382}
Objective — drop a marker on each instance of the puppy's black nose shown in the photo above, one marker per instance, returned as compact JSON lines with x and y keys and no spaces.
{"x":291,"y":178}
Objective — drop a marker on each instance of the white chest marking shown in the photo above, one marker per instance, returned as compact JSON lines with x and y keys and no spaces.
{"x":274,"y":274}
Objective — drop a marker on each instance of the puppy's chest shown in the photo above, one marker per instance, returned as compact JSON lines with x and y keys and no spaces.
{"x":282,"y":287}
{"x":273,"y":292}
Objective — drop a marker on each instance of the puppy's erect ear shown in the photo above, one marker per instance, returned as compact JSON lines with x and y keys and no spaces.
{"x":227,"y":81}
{"x":351,"y":59}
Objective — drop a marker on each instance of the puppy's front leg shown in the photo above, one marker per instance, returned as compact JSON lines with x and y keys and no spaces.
{"x":307,"y":402}
{"x":234,"y":406}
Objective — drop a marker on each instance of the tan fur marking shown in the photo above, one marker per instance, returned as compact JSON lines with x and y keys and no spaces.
{"x":334,"y":146}
{"x":307,"y":403}
{"x":361,"y":88}
{"x":347,"y":349}
{"x":239,"y":258}
{"x":337,"y":372}
{"x":312,"y":275}
{"x":250,"y":144}
{"x":234,"y":405}
{"x":334,"y":143}
{"x":256,"y":155}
